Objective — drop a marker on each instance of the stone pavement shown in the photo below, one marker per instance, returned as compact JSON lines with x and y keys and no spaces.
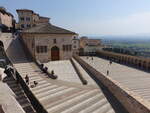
{"x":135,"y":80}
{"x":64,"y":70}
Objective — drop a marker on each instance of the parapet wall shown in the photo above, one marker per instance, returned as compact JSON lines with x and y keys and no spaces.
{"x":140,"y":62}
{"x":132,"y":102}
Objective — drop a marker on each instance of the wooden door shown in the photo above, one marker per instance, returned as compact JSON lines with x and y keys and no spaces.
{"x":54,"y":53}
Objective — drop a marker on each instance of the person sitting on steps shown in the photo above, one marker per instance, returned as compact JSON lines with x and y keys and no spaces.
{"x":52,"y":72}
{"x":35,"y":83}
{"x":45,"y":70}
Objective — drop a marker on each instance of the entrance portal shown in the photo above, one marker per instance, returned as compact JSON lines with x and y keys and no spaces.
{"x":54,"y":53}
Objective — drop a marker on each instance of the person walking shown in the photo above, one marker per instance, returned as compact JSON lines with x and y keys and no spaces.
{"x":107,"y":72}
{"x":27,"y":79}
{"x":110,"y":62}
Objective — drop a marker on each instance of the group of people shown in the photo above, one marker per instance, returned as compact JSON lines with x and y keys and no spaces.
{"x":88,"y":58}
{"x":27,"y":80}
{"x":45,"y":69}
{"x":9,"y":70}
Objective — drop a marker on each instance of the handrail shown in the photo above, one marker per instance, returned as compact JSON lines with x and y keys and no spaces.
{"x":83,"y":80}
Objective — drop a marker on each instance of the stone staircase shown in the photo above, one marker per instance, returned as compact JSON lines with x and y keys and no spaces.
{"x":20,"y":95}
{"x":58,"y":97}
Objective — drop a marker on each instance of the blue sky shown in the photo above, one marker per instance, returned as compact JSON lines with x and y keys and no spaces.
{"x":91,"y":17}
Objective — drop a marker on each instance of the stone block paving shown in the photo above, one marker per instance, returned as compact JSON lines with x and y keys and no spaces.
{"x":64,"y":70}
{"x":135,"y":80}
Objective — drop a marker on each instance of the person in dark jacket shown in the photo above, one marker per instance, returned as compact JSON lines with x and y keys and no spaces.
{"x":7,"y":71}
{"x":27,"y":79}
{"x":107,"y":72}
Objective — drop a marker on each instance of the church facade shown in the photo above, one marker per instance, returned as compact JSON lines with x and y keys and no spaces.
{"x":47,"y":42}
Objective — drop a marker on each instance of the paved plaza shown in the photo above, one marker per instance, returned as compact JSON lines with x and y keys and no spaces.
{"x":136,"y":80}
{"x":64,"y":70}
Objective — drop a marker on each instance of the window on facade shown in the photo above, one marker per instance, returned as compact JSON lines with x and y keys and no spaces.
{"x":22,"y":18}
{"x":28,"y":25}
{"x":22,"y":25}
{"x":45,"y":49}
{"x":32,"y":43}
{"x":38,"y":49}
{"x":70,"y":47}
{"x":34,"y":25}
{"x":74,"y":46}
{"x":27,"y":18}
{"x":54,"y":41}
{"x":41,"y":49}
{"x":67,"y":47}
{"x":74,"y":42}
{"x":64,"y":49}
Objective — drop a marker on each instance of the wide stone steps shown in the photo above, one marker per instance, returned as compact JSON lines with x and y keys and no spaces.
{"x":62,"y":98}
{"x":20,"y":95}
{"x":95,"y":106}
{"x":84,"y":104}
{"x":71,"y":102}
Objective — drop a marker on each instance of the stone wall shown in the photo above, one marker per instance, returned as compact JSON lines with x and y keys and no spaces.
{"x":143,"y":63}
{"x":6,"y":20}
{"x":33,"y":40}
{"x":132,"y":102}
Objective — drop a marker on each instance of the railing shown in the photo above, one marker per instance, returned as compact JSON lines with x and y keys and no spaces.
{"x":133,"y":61}
{"x":83,"y":80}
{"x":132,"y":102}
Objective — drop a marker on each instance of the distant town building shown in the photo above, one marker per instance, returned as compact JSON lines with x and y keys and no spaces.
{"x":28,"y":18}
{"x":75,"y":45}
{"x":47,"y":42}
{"x":6,"y":20}
{"x":90,"y":45}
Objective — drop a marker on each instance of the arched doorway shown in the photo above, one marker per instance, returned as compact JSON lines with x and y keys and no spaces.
{"x":54,"y":53}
